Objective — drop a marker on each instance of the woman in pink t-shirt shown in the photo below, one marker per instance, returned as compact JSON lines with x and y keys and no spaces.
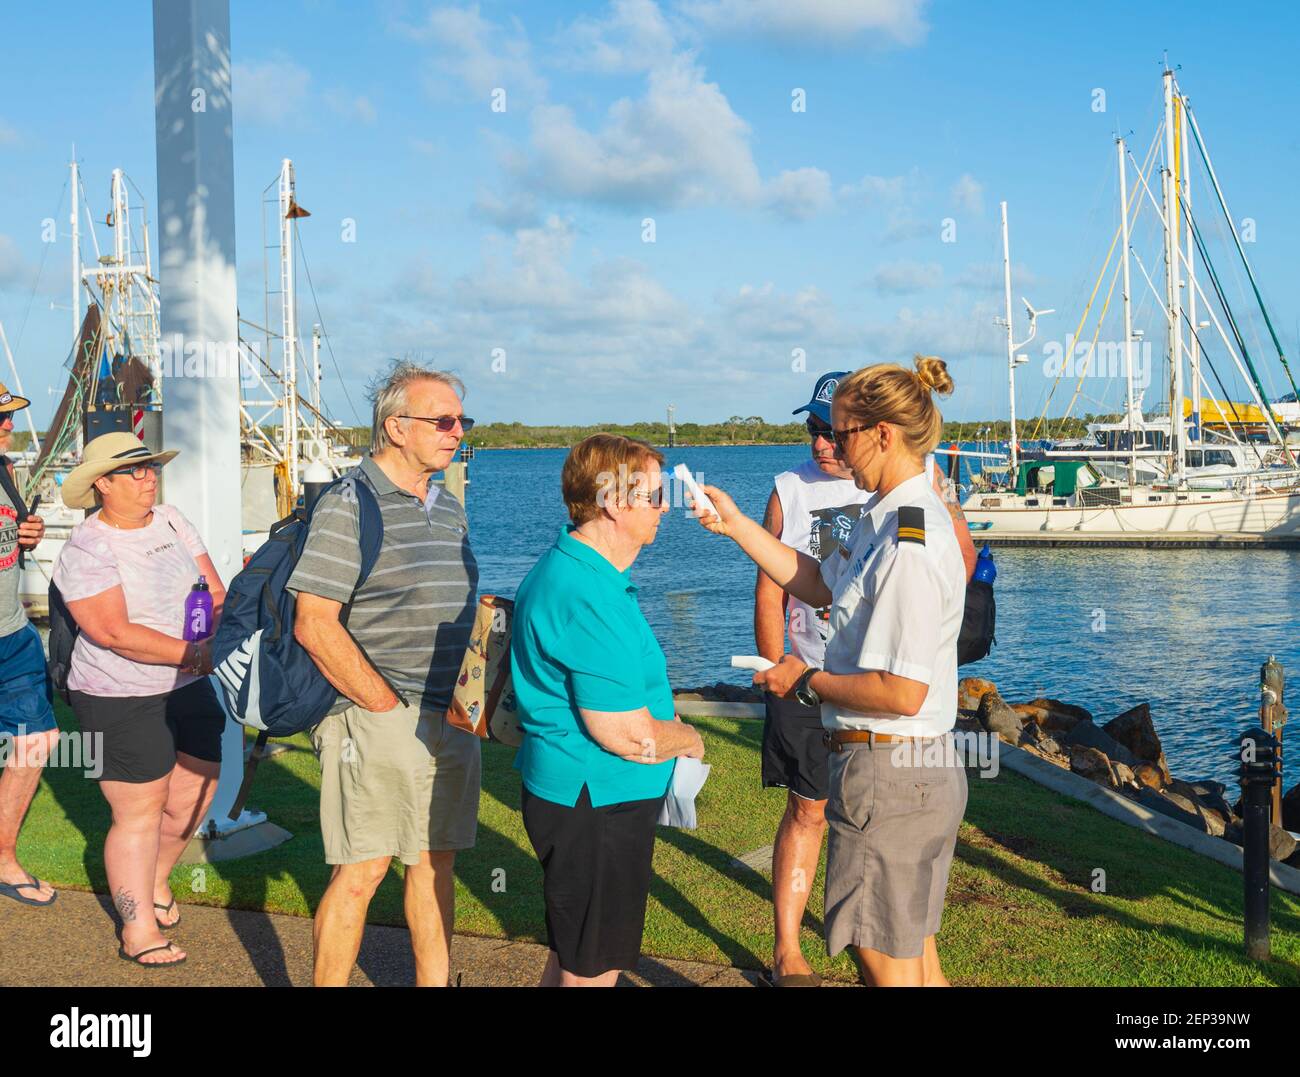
{"x":136,"y":685}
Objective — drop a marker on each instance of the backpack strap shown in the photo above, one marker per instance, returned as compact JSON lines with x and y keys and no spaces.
{"x":20,"y":506}
{"x":250,"y":769}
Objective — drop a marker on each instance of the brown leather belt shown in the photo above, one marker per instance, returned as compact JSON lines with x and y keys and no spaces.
{"x":836,"y":739}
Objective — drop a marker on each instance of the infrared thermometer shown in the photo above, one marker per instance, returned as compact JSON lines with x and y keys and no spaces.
{"x":683,"y":474}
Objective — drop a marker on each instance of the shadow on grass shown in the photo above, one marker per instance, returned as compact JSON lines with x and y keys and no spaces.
{"x":1065,"y":839}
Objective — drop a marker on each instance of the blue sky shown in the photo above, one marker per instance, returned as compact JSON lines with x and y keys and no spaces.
{"x":775,"y":230}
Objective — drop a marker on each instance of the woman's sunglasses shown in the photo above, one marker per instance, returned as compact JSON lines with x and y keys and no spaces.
{"x":444,"y":423}
{"x":842,"y":436}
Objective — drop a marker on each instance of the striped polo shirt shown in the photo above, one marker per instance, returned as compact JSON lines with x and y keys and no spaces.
{"x":413,"y":615}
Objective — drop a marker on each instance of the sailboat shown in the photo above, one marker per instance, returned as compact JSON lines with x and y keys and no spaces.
{"x":1200,"y":475}
{"x":116,"y":377}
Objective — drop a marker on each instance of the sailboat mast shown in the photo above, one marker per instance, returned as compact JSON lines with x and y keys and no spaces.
{"x":76,"y":252}
{"x":1121,"y":149}
{"x":1011,"y":348}
{"x":289,"y":330}
{"x":1178,"y":461}
{"x":1190,"y":263}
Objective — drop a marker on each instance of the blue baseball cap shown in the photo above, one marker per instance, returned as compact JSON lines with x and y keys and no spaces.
{"x":820,"y":404}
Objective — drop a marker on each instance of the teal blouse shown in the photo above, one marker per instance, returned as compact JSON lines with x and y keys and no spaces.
{"x":579,"y":639}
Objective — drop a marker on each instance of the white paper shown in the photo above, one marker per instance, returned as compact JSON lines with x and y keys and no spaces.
{"x":678,"y":809}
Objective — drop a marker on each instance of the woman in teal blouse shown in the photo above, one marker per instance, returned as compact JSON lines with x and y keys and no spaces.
{"x":597,"y":712}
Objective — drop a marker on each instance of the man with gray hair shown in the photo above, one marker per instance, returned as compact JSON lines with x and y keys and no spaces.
{"x":396,"y":779}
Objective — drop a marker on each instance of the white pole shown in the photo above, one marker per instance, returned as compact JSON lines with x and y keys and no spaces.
{"x":1011,"y":349}
{"x":1190,"y":263}
{"x":289,"y":331}
{"x":315,"y":382}
{"x":1172,"y":276}
{"x":1128,"y":310}
{"x":196,"y":258}
{"x":76,"y":253}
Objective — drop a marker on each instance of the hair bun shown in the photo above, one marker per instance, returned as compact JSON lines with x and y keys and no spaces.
{"x":932,"y":372}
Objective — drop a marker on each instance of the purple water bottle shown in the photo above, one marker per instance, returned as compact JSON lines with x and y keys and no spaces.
{"x":198,"y":612}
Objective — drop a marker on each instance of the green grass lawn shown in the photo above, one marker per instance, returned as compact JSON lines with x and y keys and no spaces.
{"x":1021,"y":904}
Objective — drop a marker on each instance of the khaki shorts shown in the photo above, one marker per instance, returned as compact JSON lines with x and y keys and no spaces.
{"x":893,"y":828}
{"x":395,"y":784}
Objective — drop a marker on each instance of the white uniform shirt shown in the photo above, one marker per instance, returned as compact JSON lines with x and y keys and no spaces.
{"x":818,"y":513}
{"x":897,"y":607}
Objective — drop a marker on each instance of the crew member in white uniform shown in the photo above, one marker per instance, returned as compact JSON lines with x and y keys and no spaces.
{"x":888,"y":693}
{"x":813,"y":508}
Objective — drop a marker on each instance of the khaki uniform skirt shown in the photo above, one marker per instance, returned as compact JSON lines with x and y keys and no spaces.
{"x":893,"y":828}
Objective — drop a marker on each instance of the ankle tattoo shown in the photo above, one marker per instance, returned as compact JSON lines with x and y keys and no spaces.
{"x":125,"y":904}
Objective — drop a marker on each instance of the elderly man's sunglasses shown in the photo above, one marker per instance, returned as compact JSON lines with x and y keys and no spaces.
{"x":818,"y":430}
{"x":444,"y":423}
{"x":139,"y":471}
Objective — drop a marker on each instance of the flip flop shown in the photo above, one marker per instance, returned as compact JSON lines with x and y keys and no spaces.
{"x":10,"y":890}
{"x":791,"y":979}
{"x":167,"y":908}
{"x":121,"y":952}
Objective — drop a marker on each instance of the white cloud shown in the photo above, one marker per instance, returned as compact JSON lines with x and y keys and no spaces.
{"x":898,"y":278}
{"x":269,"y":92}
{"x":812,"y":21}
{"x":988,"y":277}
{"x":799,"y":195}
{"x":680,"y":144}
{"x":479,"y":53}
{"x":510,"y":212}
{"x":968,"y":194}
{"x":634,"y":36}
{"x":873,"y":189}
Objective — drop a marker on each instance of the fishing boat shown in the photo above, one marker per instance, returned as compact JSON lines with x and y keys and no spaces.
{"x":1209,"y":470}
{"x":119,"y":365}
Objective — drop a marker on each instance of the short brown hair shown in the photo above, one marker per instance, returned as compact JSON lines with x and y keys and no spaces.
{"x":598,"y":466}
{"x":888,"y":393}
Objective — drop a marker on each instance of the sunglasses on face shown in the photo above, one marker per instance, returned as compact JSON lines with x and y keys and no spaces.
{"x":842,"y":436}
{"x":818,"y":430}
{"x":444,"y":423}
{"x":139,"y":471}
{"x":653,"y":498}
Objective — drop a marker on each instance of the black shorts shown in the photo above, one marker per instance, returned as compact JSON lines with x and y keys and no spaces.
{"x":795,"y":756}
{"x":140,"y":735}
{"x":596,"y":870}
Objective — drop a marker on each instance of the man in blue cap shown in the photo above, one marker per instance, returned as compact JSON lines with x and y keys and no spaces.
{"x":812,"y":508}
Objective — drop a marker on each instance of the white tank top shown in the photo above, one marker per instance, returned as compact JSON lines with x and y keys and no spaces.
{"x":818,"y":513}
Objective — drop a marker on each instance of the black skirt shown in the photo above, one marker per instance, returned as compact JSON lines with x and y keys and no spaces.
{"x":596,"y":867}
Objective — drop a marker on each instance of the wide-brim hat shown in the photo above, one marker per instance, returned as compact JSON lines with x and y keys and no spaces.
{"x":106,"y":453}
{"x":10,"y":402}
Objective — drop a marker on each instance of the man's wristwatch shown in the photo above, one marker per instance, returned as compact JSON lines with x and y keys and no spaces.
{"x":803,"y":689}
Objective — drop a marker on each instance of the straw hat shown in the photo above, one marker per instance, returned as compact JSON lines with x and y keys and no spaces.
{"x":9,"y":402}
{"x":106,"y":453}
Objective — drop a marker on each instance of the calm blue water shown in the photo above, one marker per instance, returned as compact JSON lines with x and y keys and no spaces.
{"x":1182,"y":630}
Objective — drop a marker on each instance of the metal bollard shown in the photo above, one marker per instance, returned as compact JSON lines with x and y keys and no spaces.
{"x":1258,"y":754}
{"x":1272,"y":717}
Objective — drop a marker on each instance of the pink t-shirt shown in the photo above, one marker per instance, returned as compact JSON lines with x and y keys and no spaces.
{"x":155,"y":566}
